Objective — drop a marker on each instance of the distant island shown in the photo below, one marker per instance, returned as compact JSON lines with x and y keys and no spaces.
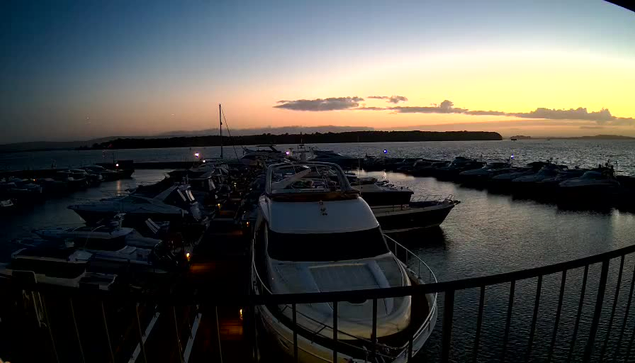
{"x":594,"y":137}
{"x":520,"y":137}
{"x":314,"y":138}
{"x":605,"y":137}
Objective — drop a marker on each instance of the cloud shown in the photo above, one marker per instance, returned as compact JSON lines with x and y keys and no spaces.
{"x":391,"y":99}
{"x":602,"y":116}
{"x":485,"y":113}
{"x":591,"y":127}
{"x":579,"y":113}
{"x":326,"y":104}
{"x":444,"y":107}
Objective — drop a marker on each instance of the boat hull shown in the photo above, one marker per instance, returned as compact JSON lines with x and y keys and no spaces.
{"x":387,"y":197}
{"x":311,"y":351}
{"x":396,"y":220}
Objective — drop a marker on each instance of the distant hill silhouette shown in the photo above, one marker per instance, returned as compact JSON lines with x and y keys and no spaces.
{"x":314,"y":138}
{"x":268,"y":130}
{"x":606,"y":137}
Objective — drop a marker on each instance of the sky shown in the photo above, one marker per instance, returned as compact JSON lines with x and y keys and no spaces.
{"x":75,"y":70}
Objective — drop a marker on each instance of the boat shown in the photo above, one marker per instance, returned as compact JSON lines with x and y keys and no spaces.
{"x":533,"y":183}
{"x":106,"y":174}
{"x":105,"y":233}
{"x":416,"y":215}
{"x":377,"y":193}
{"x":331,"y":156}
{"x":426,"y":168}
{"x":262,"y":154}
{"x":55,"y":266}
{"x":592,"y":185}
{"x":136,"y":208}
{"x":503,"y":181}
{"x":457,"y":166}
{"x":6,"y":205}
{"x":74,"y":181}
{"x":93,"y":179}
{"x":488,"y":171}
{"x":315,"y":234}
{"x":21,"y":190}
{"x":51,"y":186}
{"x":546,"y":172}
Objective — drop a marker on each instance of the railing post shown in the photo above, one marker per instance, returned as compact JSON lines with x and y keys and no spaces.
{"x":448,"y":316}
{"x":534,"y":318}
{"x":615,"y":298}
{"x":335,"y":331}
{"x":220,"y":351}
{"x":479,"y":323}
{"x":79,"y":339}
{"x":48,"y":325}
{"x":176,"y":331}
{"x":295,"y":333}
{"x":373,"y":334}
{"x":103,"y":315}
{"x":254,"y":334}
{"x":140,"y":334}
{"x":580,"y":306}
{"x":558,"y":312}
{"x":508,"y":321}
{"x":588,"y":351}
{"x":626,"y":313}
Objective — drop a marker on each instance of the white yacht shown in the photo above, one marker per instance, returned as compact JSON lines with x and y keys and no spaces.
{"x":591,"y":181}
{"x":262,"y":154}
{"x":315,"y":234}
{"x":112,"y":231}
{"x":55,"y":266}
{"x":173,"y":204}
{"x":380,"y":193}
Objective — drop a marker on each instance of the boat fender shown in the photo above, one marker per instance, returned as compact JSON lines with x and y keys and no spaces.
{"x":322,"y":208}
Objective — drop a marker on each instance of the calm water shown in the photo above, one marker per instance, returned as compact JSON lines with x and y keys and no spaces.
{"x":571,"y":152}
{"x":485,"y":234}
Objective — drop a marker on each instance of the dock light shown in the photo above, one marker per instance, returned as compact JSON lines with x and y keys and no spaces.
{"x":240,"y":312}
{"x":218,"y":205}
{"x":197,"y":154}
{"x":117,"y":165}
{"x":287,"y":152}
{"x":187,"y":255}
{"x":247,"y":223}
{"x":385,"y":151}
{"x":203,"y":161}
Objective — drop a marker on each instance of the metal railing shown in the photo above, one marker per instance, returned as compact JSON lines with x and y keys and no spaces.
{"x":583,"y":298}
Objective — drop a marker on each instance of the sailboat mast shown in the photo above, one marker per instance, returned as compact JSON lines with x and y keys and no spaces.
{"x":220,"y":121}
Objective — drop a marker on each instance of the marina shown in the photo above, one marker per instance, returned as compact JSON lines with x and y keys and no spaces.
{"x":400,"y":183}
{"x":216,"y":246}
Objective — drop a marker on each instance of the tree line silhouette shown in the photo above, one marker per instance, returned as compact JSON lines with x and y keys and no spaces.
{"x":315,"y":138}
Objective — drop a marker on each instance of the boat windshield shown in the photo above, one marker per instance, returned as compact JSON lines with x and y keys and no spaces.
{"x":326,"y":246}
{"x":592,"y":175}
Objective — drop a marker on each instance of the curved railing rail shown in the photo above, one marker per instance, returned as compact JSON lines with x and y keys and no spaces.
{"x":604,"y":317}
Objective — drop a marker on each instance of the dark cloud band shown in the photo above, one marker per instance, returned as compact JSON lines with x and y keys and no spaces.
{"x":326,"y":104}
{"x":391,"y":99}
{"x":447,"y":107}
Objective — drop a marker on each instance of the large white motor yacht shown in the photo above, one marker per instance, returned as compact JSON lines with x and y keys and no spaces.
{"x":315,"y":234}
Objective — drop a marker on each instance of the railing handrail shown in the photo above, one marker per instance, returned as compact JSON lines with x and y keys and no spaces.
{"x":218,"y":299}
